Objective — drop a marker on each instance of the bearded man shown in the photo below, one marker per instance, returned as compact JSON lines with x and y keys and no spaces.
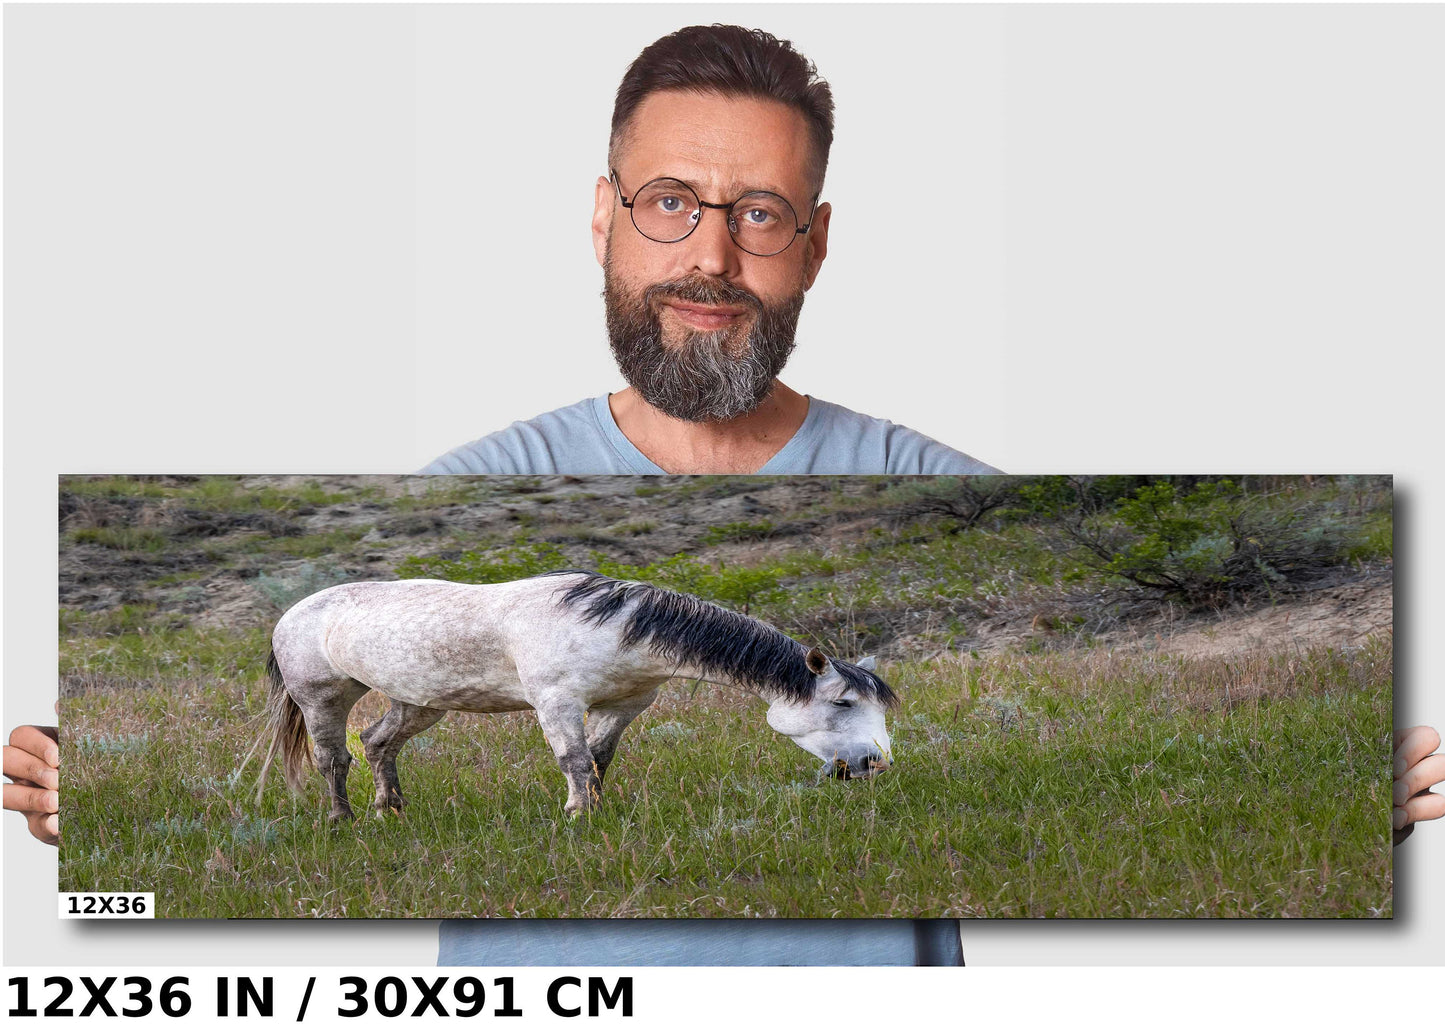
{"x":710,"y":231}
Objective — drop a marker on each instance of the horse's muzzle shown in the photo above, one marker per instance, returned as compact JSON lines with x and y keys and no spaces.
{"x":866,"y":769}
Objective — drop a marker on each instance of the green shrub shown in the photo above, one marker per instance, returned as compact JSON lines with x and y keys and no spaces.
{"x":309,"y":546}
{"x":114,"y":487}
{"x":739,"y":587}
{"x":125,"y":539}
{"x":1374,"y":541}
{"x":121,"y":619}
{"x":634,"y":527}
{"x":1202,"y":545}
{"x":285,"y":589}
{"x":488,"y":567}
{"x":439,"y":495}
{"x":726,"y":532}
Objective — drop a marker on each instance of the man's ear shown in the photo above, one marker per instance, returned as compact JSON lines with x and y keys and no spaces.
{"x":603,"y":200}
{"x":817,"y":240}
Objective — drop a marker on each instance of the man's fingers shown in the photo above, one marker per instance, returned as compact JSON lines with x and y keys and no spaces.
{"x":1413,"y":744}
{"x":1420,"y":809}
{"x":45,"y":828}
{"x":1422,"y":777}
{"x":30,"y":800}
{"x":24,"y":767}
{"x":39,"y":741}
{"x":32,"y":759}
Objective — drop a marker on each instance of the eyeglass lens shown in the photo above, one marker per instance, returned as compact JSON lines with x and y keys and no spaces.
{"x":762,"y":223}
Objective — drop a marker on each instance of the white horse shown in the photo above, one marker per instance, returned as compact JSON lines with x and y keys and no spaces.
{"x":586,"y":651}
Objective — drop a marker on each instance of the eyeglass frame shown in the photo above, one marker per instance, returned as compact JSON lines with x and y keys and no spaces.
{"x":702,"y":203}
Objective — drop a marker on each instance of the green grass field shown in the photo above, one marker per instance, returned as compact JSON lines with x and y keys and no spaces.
{"x":1084,"y":784}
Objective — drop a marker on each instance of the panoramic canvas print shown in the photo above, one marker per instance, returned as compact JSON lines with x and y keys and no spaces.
{"x":1153,"y":696}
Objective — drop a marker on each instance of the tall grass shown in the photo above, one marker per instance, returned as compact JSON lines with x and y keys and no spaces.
{"x":1080,"y":785}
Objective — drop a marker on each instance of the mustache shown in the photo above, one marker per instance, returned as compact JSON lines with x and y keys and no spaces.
{"x":714,"y":375}
{"x":699,"y":289}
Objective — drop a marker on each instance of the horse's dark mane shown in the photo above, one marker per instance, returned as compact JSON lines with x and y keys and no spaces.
{"x":695,"y":632}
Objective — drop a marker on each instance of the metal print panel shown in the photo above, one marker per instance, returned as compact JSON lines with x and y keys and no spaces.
{"x":730,"y":697}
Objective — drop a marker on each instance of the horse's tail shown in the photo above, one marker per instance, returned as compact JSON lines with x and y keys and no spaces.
{"x":288,"y":732}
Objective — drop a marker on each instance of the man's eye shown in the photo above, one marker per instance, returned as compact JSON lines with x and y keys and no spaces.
{"x":757,"y":216}
{"x":671,"y":204}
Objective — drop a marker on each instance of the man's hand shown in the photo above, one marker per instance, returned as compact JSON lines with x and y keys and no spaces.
{"x":32,"y":760}
{"x":1415,"y":774}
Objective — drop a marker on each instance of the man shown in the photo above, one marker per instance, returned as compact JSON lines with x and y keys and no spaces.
{"x":710,"y":230}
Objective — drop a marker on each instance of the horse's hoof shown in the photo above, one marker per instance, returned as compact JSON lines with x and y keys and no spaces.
{"x":340,"y":816}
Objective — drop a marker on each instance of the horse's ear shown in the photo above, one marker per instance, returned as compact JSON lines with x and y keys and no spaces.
{"x":817,"y":662}
{"x":870,"y":663}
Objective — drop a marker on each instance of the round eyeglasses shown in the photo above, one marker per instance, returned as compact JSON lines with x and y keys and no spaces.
{"x":668,"y":210}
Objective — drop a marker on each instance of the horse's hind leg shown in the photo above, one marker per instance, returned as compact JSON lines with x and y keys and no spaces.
{"x":325,"y":707}
{"x":383,"y":740}
{"x":605,"y":724}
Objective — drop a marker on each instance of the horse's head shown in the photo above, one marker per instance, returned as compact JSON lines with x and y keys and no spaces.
{"x":842,"y":720}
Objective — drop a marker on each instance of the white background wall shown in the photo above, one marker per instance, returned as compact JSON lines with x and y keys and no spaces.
{"x":1066,"y":239}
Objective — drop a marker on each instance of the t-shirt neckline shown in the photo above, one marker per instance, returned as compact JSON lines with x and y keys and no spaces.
{"x":633,"y":458}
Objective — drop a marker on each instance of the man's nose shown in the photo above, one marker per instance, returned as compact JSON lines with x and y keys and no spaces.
{"x":710,"y":249}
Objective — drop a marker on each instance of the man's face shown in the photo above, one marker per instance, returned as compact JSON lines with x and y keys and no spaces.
{"x":701,"y":328}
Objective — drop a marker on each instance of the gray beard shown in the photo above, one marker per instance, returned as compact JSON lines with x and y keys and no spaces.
{"x":711,"y":377}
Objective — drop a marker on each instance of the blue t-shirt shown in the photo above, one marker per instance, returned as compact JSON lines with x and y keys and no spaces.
{"x":583,"y":438}
{"x":662,"y":942}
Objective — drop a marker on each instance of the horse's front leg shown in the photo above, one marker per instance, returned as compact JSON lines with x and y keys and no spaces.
{"x":561,"y":722}
{"x":605,"y":724}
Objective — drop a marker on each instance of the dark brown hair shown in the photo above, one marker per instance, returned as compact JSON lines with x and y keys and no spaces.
{"x":731,"y":61}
